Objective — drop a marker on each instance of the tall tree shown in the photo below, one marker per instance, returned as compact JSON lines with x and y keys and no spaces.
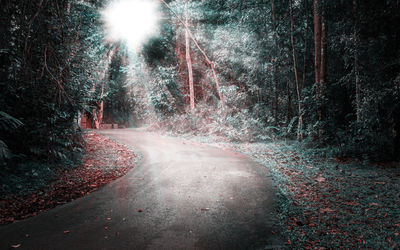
{"x":209,"y":62}
{"x":188,"y":57}
{"x":275,"y":63}
{"x":296,"y":74}
{"x":356,"y":66}
{"x":320,"y":47}
{"x":317,"y":44}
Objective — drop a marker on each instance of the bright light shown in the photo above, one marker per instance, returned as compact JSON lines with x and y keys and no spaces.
{"x":132,"y":21}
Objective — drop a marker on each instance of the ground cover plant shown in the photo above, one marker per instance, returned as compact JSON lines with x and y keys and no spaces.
{"x":326,"y":202}
{"x":253,"y":75}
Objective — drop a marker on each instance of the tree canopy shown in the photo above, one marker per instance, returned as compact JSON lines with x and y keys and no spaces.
{"x":322,"y":72}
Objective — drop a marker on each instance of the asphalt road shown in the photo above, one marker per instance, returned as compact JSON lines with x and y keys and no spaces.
{"x":181,"y":195}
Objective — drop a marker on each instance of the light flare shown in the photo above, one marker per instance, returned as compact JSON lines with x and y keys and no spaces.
{"x":131,"y":21}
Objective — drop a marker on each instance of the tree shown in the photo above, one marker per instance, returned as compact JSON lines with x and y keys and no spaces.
{"x":356,"y":71}
{"x":275,"y":64}
{"x":188,"y":57}
{"x":209,"y":62}
{"x":320,"y":48}
{"x":299,"y":100}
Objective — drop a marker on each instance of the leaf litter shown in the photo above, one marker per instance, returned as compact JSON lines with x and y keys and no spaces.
{"x":326,"y":203}
{"x":105,"y":160}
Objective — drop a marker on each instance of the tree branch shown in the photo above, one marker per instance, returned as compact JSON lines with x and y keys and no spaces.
{"x":211,"y":63}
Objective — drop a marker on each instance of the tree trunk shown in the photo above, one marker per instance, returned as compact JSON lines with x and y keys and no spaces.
{"x":317,"y":44}
{"x":98,"y":114}
{"x":356,"y":70}
{"x":322,"y":73}
{"x":189,"y":58}
{"x":211,"y":63}
{"x":320,"y":60}
{"x":296,"y":74}
{"x":289,"y":103}
{"x":275,"y":67}
{"x":303,"y":83}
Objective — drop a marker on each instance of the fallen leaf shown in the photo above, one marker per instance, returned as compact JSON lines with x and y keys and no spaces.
{"x":66,"y":231}
{"x":15,"y":246}
{"x":350,"y":203}
{"x":205,"y":209}
{"x":320,"y":179}
{"x":326,"y":210}
{"x":140,"y":210}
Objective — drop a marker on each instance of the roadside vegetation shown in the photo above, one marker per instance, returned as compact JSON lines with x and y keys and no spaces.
{"x":309,"y":88}
{"x":30,"y":189}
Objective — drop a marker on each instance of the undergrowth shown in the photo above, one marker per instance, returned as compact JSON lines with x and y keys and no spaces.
{"x":325,"y":202}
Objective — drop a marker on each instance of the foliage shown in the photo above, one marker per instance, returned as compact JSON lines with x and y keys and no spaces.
{"x":7,"y":124}
{"x":47,"y":70}
{"x":41,"y":188}
{"x":329,"y":203}
{"x":255,"y":67}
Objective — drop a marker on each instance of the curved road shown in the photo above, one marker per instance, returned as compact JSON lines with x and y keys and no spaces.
{"x":181,"y":195}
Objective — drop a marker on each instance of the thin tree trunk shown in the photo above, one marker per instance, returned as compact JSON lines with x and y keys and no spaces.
{"x":99,"y":113}
{"x":211,"y":63}
{"x":289,"y":104}
{"x":317,"y":44}
{"x":303,"y":83}
{"x":189,"y":58}
{"x":356,"y":70}
{"x":275,"y":67}
{"x":296,"y":74}
{"x":318,"y":61}
{"x":322,"y":75}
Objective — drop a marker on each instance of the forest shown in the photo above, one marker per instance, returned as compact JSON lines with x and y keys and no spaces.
{"x":320,"y":76}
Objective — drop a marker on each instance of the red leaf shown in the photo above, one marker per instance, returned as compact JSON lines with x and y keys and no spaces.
{"x":326,"y":210}
{"x":350,"y":203}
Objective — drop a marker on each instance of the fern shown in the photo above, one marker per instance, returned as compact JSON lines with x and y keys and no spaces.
{"x":8,"y":123}
{"x":4,"y":151}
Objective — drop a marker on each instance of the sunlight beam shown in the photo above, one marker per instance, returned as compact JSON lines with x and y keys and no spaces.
{"x":131,"y":21}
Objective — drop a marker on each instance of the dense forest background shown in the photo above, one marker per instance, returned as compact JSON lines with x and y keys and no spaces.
{"x":323,"y":73}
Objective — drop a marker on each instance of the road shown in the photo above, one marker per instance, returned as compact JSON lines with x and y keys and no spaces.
{"x":181,"y":195}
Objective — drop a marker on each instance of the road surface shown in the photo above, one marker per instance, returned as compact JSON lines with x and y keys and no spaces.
{"x":181,"y":195}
